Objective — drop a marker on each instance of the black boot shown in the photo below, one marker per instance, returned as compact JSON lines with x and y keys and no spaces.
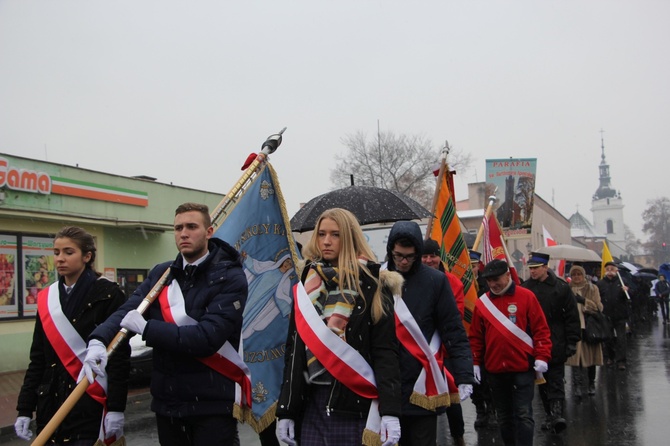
{"x":548,"y":416}
{"x":558,"y":423}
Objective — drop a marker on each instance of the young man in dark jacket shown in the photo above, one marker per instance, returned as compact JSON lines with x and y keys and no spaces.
{"x":429,"y":299}
{"x":617,"y":308}
{"x":196,"y":314}
{"x":560,"y":309}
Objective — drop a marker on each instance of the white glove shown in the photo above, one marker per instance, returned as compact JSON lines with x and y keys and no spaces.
{"x":114,"y":424}
{"x":477,"y":371}
{"x":390,"y":433}
{"x":286,"y":431}
{"x":94,"y":362}
{"x":541,"y":366}
{"x":134,"y":321}
{"x":464,"y":391}
{"x":22,"y":428}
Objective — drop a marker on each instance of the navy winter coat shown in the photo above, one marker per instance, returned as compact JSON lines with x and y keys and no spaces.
{"x":427,"y":294}
{"x":215,"y":296}
{"x":560,"y":309}
{"x":47,"y":383}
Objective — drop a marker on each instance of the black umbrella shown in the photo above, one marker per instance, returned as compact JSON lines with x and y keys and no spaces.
{"x":368,"y":204}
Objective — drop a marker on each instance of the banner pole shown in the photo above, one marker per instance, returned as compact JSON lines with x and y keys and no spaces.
{"x":487,"y":214}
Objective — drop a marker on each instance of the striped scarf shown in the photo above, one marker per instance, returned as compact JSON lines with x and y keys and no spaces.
{"x":334,"y":305}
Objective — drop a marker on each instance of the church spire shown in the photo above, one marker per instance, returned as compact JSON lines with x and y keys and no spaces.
{"x":604,"y":189}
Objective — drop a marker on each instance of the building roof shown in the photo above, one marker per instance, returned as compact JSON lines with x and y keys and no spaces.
{"x":580,"y":227}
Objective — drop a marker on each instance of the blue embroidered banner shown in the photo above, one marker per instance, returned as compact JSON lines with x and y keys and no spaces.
{"x":258,"y":228}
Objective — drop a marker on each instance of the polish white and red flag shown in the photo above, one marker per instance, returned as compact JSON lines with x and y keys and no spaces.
{"x":549,"y":241}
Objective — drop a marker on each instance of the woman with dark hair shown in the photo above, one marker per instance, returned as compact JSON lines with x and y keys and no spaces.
{"x":341,"y":376}
{"x":67,"y":312}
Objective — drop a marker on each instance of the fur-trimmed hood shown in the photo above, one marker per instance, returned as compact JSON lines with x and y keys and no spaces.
{"x":389,"y":279}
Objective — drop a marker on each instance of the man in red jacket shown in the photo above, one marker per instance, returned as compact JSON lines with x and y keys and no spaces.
{"x":509,"y":335}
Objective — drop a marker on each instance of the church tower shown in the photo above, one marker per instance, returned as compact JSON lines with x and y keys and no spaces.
{"x":607,"y":206}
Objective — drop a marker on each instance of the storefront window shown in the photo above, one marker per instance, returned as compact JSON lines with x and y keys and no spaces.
{"x":8,"y":277}
{"x":39,"y":270}
{"x":26,"y":268}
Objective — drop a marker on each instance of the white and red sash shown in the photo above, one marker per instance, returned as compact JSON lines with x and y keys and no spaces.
{"x":339,"y":358}
{"x":65,"y":340}
{"x":225,"y":361}
{"x":515,"y":335}
{"x":430,"y":390}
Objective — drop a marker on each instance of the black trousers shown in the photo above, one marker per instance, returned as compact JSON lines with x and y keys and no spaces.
{"x":554,"y":388}
{"x":197,"y":430}
{"x":418,"y":430}
{"x":615,"y":348}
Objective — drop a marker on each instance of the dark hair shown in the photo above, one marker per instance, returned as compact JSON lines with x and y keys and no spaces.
{"x":202,"y":208}
{"x":82,"y":239}
{"x":405,"y":242}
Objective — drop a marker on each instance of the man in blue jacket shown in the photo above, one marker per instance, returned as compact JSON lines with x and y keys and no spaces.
{"x":198,"y":311}
{"x":428,"y":297}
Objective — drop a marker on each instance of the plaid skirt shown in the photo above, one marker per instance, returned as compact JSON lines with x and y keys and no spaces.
{"x":319,"y":428}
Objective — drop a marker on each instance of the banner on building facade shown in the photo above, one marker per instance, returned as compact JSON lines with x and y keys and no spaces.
{"x":512,"y":181}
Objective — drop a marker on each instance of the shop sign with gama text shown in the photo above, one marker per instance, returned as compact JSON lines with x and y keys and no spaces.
{"x":26,"y":180}
{"x":23,"y":179}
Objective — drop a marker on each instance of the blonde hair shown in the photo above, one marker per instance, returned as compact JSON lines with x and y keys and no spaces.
{"x":353,"y":246}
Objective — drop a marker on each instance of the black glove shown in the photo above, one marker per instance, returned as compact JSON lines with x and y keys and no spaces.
{"x":570,"y":350}
{"x":580,"y":299}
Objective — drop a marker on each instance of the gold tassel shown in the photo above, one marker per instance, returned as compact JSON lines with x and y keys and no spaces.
{"x":371,"y":438}
{"x":247,"y":416}
{"x":430,"y":402}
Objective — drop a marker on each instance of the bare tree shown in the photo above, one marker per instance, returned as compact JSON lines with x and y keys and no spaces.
{"x":657,"y":225}
{"x":633,"y":244}
{"x":403,"y":163}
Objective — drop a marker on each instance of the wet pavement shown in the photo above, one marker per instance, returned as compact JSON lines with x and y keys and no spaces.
{"x":630,"y":407}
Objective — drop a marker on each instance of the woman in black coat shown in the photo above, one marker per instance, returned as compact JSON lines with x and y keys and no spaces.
{"x":80,"y":300}
{"x":352,"y":298}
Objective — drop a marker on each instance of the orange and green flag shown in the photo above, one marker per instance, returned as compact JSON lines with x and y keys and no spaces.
{"x":446,"y":230}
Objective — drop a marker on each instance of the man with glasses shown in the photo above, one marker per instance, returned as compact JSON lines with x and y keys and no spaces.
{"x":560,"y":309}
{"x":427,"y":312}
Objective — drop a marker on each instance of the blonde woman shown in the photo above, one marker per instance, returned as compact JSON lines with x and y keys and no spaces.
{"x":353,"y":299}
{"x":588,"y":356}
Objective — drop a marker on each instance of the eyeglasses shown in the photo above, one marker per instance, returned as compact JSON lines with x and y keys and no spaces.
{"x":399,"y":257}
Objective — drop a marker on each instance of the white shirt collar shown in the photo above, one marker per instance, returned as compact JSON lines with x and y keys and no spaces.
{"x":197,"y":262}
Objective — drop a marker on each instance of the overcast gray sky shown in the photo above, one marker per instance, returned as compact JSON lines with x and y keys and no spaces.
{"x":183,"y":91}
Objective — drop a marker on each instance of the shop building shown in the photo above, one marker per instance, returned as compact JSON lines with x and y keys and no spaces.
{"x":131,"y":219}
